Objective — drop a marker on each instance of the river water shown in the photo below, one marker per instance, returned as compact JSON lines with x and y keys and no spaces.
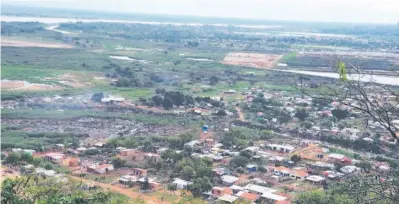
{"x":51,"y":20}
{"x":381,"y":79}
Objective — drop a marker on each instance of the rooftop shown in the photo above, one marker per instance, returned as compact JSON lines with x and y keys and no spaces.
{"x":259,"y":189}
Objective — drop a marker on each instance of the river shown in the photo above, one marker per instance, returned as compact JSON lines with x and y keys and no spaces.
{"x":381,"y":79}
{"x":51,"y":20}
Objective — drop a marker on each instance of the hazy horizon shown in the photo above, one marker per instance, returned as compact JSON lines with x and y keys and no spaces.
{"x":355,"y":11}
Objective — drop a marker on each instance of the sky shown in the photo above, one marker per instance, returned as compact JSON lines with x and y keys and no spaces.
{"x":371,"y":11}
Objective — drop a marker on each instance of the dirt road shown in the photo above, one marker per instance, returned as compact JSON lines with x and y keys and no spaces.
{"x":240,"y":114}
{"x":124,"y":191}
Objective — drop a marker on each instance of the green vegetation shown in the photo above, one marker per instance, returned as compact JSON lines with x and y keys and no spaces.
{"x":71,"y":114}
{"x":286,"y":58}
{"x":34,"y":140}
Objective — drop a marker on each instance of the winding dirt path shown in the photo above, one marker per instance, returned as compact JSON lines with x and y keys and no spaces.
{"x":124,"y":191}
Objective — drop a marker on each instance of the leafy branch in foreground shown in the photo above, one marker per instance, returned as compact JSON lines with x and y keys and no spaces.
{"x":358,"y":90}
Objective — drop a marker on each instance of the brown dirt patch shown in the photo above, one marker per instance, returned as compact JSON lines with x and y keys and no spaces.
{"x":71,"y":80}
{"x":256,"y":60}
{"x":26,"y":86}
{"x":26,"y":43}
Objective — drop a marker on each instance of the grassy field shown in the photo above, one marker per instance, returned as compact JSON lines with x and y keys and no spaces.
{"x":71,"y":114}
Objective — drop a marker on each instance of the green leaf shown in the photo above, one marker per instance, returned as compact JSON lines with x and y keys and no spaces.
{"x":342,"y":71}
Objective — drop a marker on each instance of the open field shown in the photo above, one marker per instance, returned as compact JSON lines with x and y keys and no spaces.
{"x":25,"y":43}
{"x":261,"y":61}
{"x":26,"y":86}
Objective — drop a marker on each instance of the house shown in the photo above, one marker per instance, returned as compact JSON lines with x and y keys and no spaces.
{"x":259,"y":189}
{"x":220,"y":191}
{"x":248,"y":196}
{"x":272,"y":197}
{"x":281,"y":148}
{"x":73,"y":162}
{"x":152,"y":157}
{"x":139,"y":172}
{"x":251,"y":168}
{"x":339,"y":158}
{"x":127,"y":152}
{"x":181,"y":184}
{"x":228,"y":198}
{"x":228,"y":180}
{"x":252,"y":149}
{"x":315,"y":179}
{"x":54,"y":157}
{"x":231,"y":91}
{"x":349,"y":169}
{"x":104,"y":168}
{"x":281,"y":171}
{"x":45,"y":172}
{"x":192,"y":143}
{"x":236,"y":188}
{"x":112,"y":99}
{"x":128,"y":180}
{"x":298,"y":174}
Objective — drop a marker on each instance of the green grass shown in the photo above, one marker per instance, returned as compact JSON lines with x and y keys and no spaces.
{"x":30,"y":140}
{"x":345,"y":152}
{"x":20,"y":72}
{"x":287,"y":57}
{"x":166,"y":196}
{"x":71,"y":114}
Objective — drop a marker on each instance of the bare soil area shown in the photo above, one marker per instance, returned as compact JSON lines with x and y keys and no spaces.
{"x":26,"y":86}
{"x":26,"y":43}
{"x":256,"y":60}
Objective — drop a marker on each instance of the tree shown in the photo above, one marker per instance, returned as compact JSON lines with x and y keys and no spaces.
{"x":366,"y":166}
{"x":295,"y":158}
{"x":301,"y":114}
{"x":340,"y":114}
{"x":306,"y":124}
{"x":35,"y":189}
{"x":160,"y":91}
{"x":172,"y":187}
{"x":213,"y":80}
{"x":221,"y":113}
{"x":157,"y":99}
{"x":26,"y":157}
{"x":145,"y":185}
{"x":97,"y":97}
{"x":187,"y":172}
{"x":118,"y":162}
{"x":167,"y":103}
{"x":48,"y":166}
{"x":239,"y":161}
{"x":13,"y":158}
{"x":318,"y":197}
{"x":200,"y":185}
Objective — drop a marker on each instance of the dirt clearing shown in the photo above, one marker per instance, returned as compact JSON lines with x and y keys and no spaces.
{"x":26,"y":43}
{"x":26,"y":86}
{"x":256,"y":60}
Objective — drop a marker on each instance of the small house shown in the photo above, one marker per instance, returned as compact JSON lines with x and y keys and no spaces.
{"x":227,"y":198}
{"x":228,"y":180}
{"x":139,"y":172}
{"x":104,"y":168}
{"x":54,"y":157}
{"x":181,"y":184}
{"x":315,"y":179}
{"x":251,"y":168}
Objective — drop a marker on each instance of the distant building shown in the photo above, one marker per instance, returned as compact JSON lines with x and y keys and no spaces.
{"x":281,"y":148}
{"x":181,"y":184}
{"x":228,"y":180}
